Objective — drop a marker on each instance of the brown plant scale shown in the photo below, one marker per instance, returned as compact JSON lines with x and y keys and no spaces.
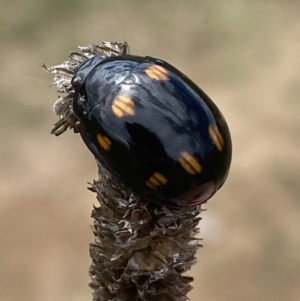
{"x":141,"y":250}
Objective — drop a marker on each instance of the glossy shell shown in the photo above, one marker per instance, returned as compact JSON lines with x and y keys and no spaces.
{"x":147,"y":122}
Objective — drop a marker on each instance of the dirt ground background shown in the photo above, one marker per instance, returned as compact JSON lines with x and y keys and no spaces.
{"x":245,"y":56}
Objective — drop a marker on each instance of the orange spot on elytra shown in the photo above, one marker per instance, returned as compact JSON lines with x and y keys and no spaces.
{"x":104,"y":142}
{"x":189,"y":163}
{"x":157,"y":72}
{"x":123,"y":105}
{"x":216,"y":137}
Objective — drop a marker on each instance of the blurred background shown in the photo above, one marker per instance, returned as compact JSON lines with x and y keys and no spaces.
{"x":244,"y":54}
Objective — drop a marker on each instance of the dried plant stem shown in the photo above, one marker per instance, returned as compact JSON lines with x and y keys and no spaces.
{"x":141,"y":251}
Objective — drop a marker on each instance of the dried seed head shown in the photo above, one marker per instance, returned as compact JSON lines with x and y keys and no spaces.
{"x":141,"y":251}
